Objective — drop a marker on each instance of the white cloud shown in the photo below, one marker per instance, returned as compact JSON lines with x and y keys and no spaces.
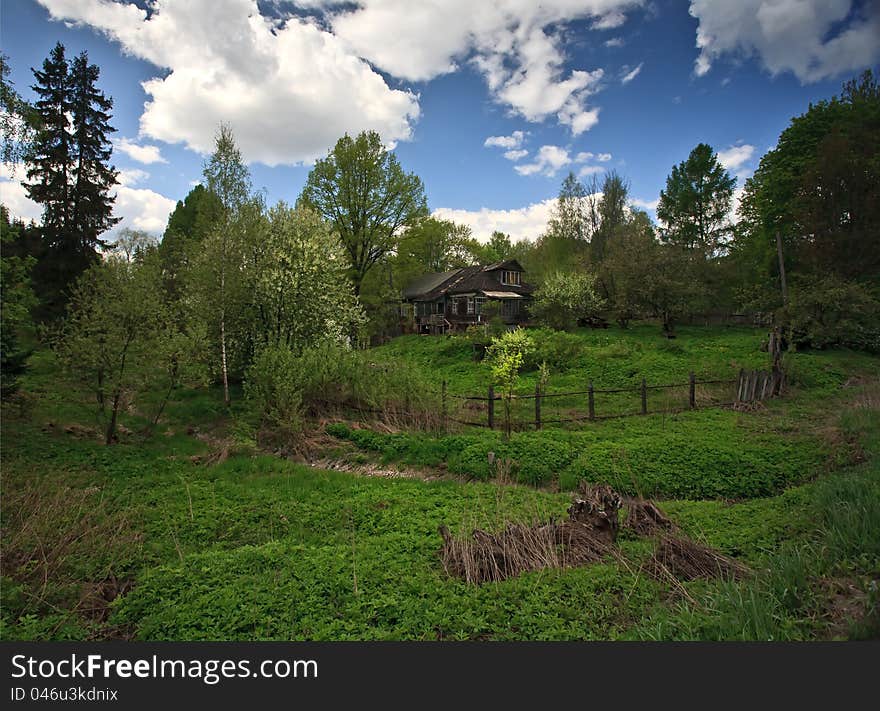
{"x":287,"y":88}
{"x":141,"y":154}
{"x":614,"y":42}
{"x":132,"y":176}
{"x":645,"y":204}
{"x":548,"y":161}
{"x":515,"y":155}
{"x":734,"y":157}
{"x":629,"y":75}
{"x":522,"y":223}
{"x":516,"y":44}
{"x":141,"y":209}
{"x":514,"y":140}
{"x":609,"y":21}
{"x":14,"y":197}
{"x":588,"y":170}
{"x":603,"y":157}
{"x":814,"y":39}
{"x":584,"y":156}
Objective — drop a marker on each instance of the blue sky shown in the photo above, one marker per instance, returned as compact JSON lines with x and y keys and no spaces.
{"x":582,"y":85}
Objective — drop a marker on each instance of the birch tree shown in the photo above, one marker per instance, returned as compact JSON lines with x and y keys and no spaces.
{"x":227,"y":177}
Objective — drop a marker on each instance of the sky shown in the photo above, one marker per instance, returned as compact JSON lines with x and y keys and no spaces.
{"x":491,"y":104}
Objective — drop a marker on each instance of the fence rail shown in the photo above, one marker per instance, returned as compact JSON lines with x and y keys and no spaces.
{"x":747,"y":387}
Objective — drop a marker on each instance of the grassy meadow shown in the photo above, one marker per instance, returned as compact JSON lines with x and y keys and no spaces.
{"x":193,"y":533}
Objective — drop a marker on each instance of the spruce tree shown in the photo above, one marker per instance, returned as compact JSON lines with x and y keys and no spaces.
{"x":68,"y":171}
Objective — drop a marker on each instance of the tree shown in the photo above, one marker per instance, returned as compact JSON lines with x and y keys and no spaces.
{"x":695,"y":206}
{"x":569,"y":217}
{"x":16,"y":301}
{"x":623,"y":270}
{"x":68,"y":168}
{"x":565,"y":299}
{"x":362,"y":191}
{"x":18,"y":120}
{"x":118,"y":338}
{"x":228,"y":179}
{"x":506,"y":356}
{"x":612,"y":213}
{"x":301,"y":292}
{"x":500,"y":245}
{"x":188,"y":224}
{"x":131,"y":245}
{"x":818,"y":191}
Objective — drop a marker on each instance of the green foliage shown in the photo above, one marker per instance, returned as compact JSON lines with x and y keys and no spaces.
{"x":696,"y":202}
{"x":16,"y":301}
{"x":118,"y":338}
{"x":818,"y":189}
{"x":564,"y":300}
{"x":826,"y":312}
{"x":362,"y":191}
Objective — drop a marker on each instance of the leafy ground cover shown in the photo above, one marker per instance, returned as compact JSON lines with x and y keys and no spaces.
{"x":192,"y":534}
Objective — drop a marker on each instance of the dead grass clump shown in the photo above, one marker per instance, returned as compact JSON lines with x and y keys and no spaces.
{"x":682,"y":558}
{"x":588,"y":536}
{"x":517,"y":549}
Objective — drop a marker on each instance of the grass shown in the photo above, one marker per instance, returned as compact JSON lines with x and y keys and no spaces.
{"x":259,"y":547}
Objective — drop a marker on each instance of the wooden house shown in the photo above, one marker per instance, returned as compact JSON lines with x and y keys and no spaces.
{"x":454,"y":300}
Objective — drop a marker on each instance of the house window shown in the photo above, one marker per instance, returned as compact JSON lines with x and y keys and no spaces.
{"x":478,"y":303}
{"x":510,"y":307}
{"x":511,"y":278}
{"x":471,"y":305}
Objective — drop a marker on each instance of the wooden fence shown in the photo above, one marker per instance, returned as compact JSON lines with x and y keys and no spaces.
{"x":530,"y":410}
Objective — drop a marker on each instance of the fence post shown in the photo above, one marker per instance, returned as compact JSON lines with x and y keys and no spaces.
{"x":644,"y":397}
{"x":592,"y":402}
{"x":739,"y":384}
{"x":537,"y":406}
{"x":692,"y":391}
{"x":491,"y":407}
{"x":444,"y":415}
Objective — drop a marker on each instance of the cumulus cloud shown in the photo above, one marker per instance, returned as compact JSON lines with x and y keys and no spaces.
{"x":630,"y":74}
{"x":514,"y":140}
{"x":814,"y":39}
{"x":645,"y":204}
{"x":589,"y":170}
{"x":523,"y":223}
{"x":142,"y":154}
{"x":548,"y":160}
{"x":603,"y":157}
{"x":614,"y":42}
{"x":139,"y":208}
{"x":14,"y":197}
{"x":516,"y":44}
{"x":287,"y":87}
{"x":515,"y":155}
{"x":734,"y":157}
{"x":132,"y":176}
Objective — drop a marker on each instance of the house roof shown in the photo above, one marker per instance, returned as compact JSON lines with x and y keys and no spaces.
{"x":428,"y":283}
{"x":466,"y":280}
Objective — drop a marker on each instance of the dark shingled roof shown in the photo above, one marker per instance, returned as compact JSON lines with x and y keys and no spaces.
{"x":427,"y":283}
{"x":464,"y":281}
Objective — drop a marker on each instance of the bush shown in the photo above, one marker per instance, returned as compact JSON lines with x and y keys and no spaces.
{"x":827,"y":311}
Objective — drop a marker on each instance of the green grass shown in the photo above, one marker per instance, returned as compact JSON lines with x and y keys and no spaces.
{"x":259,"y":547}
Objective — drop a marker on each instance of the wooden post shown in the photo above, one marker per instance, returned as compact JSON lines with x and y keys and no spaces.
{"x":491,"y":407}
{"x":444,"y":415}
{"x":644,"y":397}
{"x":739,"y":384}
{"x":692,"y":391}
{"x":537,"y":406}
{"x":592,"y":402}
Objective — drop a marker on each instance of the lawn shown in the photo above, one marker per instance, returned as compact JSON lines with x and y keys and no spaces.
{"x":164,"y":538}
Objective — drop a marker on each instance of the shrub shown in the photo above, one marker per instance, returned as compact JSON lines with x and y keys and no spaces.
{"x":827,"y":311}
